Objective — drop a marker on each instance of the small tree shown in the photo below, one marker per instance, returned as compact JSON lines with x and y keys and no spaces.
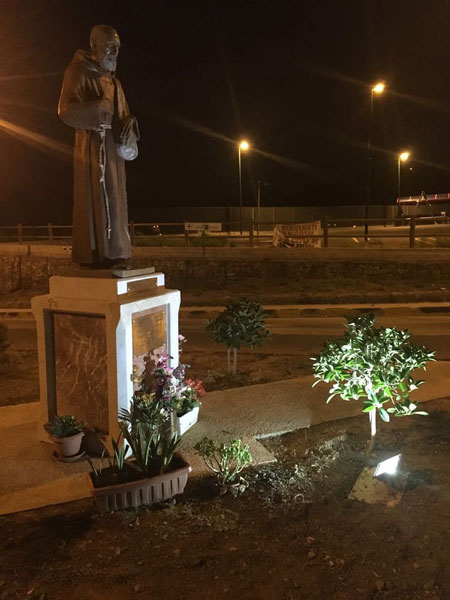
{"x":242,"y":322}
{"x":373,"y":365}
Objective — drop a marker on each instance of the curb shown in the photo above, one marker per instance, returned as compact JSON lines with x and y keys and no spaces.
{"x":324,"y":311}
{"x":289,"y":311}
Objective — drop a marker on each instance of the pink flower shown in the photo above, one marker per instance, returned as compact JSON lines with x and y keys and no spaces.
{"x":197,"y":386}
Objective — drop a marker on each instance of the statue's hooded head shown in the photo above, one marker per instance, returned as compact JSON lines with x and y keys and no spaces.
{"x":105,"y":44}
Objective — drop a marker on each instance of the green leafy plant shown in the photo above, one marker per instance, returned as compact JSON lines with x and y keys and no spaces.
{"x":146,"y":429}
{"x":373,"y":364}
{"x":97,"y":471}
{"x":226,"y":460}
{"x":63,"y":426}
{"x":242,"y":322}
{"x":120,"y":451}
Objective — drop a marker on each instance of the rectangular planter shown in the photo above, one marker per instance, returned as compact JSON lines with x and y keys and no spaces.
{"x":182,"y":424}
{"x":144,"y":491}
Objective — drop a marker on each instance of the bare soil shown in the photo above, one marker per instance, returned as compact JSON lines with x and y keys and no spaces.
{"x":257,"y":366}
{"x":19,"y":379}
{"x":293,"y":535}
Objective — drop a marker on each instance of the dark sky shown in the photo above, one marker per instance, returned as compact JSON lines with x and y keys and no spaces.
{"x":293,"y":77}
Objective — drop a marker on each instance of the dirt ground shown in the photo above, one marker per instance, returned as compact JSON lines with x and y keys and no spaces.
{"x":293,"y":535}
{"x":19,"y":378}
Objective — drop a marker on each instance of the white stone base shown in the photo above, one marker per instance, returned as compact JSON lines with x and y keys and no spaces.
{"x":91,"y":331}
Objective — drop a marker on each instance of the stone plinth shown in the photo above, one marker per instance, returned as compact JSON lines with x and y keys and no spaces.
{"x":91,"y":332}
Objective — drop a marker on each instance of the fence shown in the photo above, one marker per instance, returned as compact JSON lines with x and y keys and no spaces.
{"x":251,"y":233}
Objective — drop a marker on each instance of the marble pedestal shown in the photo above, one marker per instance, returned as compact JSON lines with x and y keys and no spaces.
{"x":91,"y":331}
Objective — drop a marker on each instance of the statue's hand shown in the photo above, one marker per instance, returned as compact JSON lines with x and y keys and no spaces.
{"x":127,"y":136}
{"x":107,"y":111}
{"x":126,"y":127}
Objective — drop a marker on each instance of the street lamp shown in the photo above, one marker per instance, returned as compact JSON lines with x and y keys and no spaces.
{"x":243,"y":146}
{"x":402,"y":157}
{"x":377,"y":90}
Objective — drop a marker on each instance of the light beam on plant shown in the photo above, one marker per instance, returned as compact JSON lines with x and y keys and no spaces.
{"x":373,"y":365}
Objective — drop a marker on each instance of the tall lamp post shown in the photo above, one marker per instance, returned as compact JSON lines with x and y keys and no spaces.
{"x":243,"y":146}
{"x":377,"y":89}
{"x":258,"y":206}
{"x":402,"y":157}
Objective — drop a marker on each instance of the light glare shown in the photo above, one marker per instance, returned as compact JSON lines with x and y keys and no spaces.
{"x":378,"y":88}
{"x":244,"y":145}
{"x":388,"y":466}
{"x":404,"y":156}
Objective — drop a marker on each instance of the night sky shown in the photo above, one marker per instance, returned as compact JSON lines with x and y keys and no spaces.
{"x":292,"y":77}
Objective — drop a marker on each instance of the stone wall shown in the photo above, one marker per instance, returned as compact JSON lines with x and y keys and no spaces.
{"x":25,"y":266}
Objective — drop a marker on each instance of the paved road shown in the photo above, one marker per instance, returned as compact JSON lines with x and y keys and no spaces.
{"x":288,"y":335}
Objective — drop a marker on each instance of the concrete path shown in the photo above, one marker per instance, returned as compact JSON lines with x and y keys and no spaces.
{"x":30,"y":477}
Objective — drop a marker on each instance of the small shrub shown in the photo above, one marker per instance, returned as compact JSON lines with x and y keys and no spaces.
{"x":226,"y":460}
{"x":373,"y":365}
{"x":242,"y":322}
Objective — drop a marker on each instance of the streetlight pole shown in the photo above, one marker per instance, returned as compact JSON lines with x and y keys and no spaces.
{"x":258,"y":206}
{"x":376,"y":89}
{"x":258,"y":203}
{"x":402,"y":157}
{"x":242,"y":147}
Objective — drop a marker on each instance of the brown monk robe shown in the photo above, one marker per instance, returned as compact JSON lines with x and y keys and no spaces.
{"x":92,"y":101}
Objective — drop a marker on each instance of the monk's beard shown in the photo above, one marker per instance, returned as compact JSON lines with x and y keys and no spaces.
{"x":109,"y":63}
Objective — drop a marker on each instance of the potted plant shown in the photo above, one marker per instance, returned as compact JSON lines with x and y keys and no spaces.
{"x":67,"y":433}
{"x":226,"y":460}
{"x":185,"y":404}
{"x":154,"y":472}
{"x":242,"y":322}
{"x":179,"y":395}
{"x":373,"y":364}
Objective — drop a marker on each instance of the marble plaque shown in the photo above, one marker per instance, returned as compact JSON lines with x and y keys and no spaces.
{"x":149,"y":331}
{"x":81,"y":375}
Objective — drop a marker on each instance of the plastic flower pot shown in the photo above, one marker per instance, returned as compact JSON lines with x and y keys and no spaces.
{"x":150,"y":490}
{"x":69,"y":446}
{"x":185,"y":422}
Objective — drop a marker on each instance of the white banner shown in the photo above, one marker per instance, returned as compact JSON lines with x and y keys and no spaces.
{"x":296,"y":235}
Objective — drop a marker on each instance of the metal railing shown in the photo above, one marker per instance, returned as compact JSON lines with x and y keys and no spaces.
{"x":253,"y":233}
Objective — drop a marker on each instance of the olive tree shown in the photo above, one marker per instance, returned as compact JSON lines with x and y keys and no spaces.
{"x":373,"y":364}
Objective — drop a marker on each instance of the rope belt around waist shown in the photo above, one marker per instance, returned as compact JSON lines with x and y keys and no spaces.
{"x":102,"y":165}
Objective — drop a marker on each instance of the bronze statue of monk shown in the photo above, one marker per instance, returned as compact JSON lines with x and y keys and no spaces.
{"x":92,"y":101}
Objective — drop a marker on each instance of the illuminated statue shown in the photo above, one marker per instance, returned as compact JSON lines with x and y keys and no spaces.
{"x":92,"y":101}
